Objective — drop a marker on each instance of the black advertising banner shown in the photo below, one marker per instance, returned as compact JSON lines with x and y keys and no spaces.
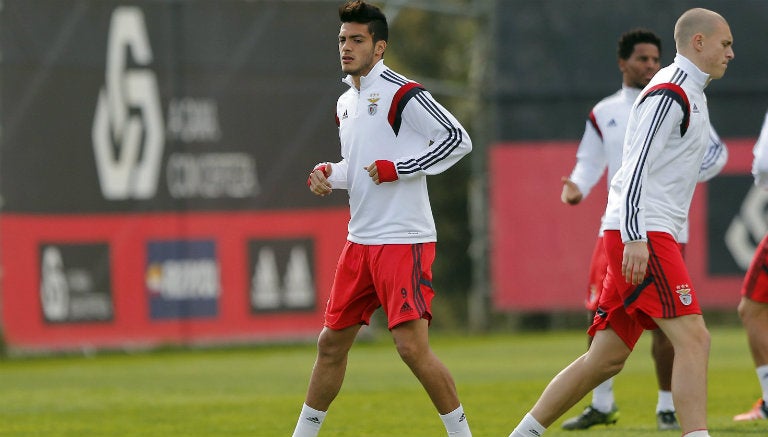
{"x":166,"y":106}
{"x":75,"y":283}
{"x":153,"y":171}
{"x":736,"y":223}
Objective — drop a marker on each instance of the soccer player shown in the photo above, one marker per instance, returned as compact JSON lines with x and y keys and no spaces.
{"x":647,"y":284}
{"x":393,"y":135}
{"x":639,"y":52}
{"x":753,"y":308}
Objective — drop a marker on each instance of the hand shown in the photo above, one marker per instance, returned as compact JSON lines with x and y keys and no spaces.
{"x":571,"y":193}
{"x":318,"y":180}
{"x":373,"y":172}
{"x":635,"y":262}
{"x":382,"y":170}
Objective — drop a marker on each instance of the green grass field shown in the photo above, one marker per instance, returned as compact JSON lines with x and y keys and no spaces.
{"x":258,"y":391}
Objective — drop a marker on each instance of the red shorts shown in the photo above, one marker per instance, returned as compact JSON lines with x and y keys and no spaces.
{"x":597,"y":270}
{"x":755,"y":285}
{"x":665,"y":293}
{"x":395,"y":276}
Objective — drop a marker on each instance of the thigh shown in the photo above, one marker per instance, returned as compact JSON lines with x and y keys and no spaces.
{"x":402,"y":277}
{"x":666,"y":291}
{"x":353,"y":298}
{"x":611,"y":314}
{"x":755,"y":286}
{"x":598,"y":268}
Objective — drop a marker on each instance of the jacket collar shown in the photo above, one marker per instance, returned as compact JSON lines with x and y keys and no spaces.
{"x":630,"y":92}
{"x":370,"y":78}
{"x":699,"y":77}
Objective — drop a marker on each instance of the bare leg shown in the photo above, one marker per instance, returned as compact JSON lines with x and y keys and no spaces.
{"x":412,"y":342}
{"x":754,"y":317}
{"x":663,"y":357}
{"x":604,"y":359}
{"x":690,"y":338}
{"x":330,"y":366}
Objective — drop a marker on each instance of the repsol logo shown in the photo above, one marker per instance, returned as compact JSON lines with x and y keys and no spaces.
{"x":128,"y":132}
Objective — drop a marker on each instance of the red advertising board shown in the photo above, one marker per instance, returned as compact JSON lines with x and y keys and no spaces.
{"x":55,"y":297}
{"x":165,"y":200}
{"x":541,"y":248}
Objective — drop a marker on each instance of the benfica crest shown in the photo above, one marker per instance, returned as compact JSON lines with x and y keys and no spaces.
{"x":373,"y":107}
{"x":684,"y":292}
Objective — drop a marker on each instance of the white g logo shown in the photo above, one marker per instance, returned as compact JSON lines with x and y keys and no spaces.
{"x":54,"y":289}
{"x":128,"y":112}
{"x":750,"y":225}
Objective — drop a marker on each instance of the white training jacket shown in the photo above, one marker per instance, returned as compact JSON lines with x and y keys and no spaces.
{"x":666,"y":142}
{"x":395,"y":119}
{"x":760,"y":161}
{"x":603,"y":141}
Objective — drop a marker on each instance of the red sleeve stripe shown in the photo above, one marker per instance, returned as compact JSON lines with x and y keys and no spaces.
{"x":401,"y":98}
{"x":677,"y":94}
{"x":593,"y":121}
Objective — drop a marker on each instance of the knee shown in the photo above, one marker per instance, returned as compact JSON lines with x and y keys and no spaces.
{"x":613,"y":367}
{"x":606,"y":365}
{"x":702,"y":338}
{"x":330,"y":348}
{"x":743,"y":311}
{"x":749,"y":312}
{"x":409,"y":352}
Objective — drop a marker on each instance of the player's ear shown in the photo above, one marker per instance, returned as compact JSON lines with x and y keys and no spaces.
{"x":698,"y":42}
{"x":380,"y":47}
{"x":622,"y":64}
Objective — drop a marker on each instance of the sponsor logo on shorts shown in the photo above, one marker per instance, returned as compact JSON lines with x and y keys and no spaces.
{"x":405,"y":308}
{"x":684,"y":292}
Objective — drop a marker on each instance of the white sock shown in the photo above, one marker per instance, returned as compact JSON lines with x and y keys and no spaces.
{"x":456,"y":423}
{"x":699,"y":433}
{"x":665,"y":402}
{"x":762,"y":375}
{"x":309,"y":422}
{"x":602,"y":396}
{"x":528,"y":427}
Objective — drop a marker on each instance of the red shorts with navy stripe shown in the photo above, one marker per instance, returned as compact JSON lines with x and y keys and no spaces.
{"x":666,"y":292}
{"x":755,"y":285}
{"x":597,"y":270}
{"x":397,"y":277}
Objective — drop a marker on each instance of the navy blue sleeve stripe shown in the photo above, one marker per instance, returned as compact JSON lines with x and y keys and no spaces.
{"x":593,"y":121}
{"x":396,"y":79}
{"x":399,"y":101}
{"x":632,"y":225}
{"x":668,"y":94}
{"x":440,"y":151}
{"x":713,"y":153}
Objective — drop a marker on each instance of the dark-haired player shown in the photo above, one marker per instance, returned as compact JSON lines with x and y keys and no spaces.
{"x":393,"y":135}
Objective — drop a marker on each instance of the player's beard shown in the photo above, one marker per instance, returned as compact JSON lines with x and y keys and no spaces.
{"x":365,"y":66}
